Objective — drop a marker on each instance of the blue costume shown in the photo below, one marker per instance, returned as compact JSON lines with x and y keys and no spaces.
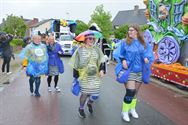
{"x":133,"y":53}
{"x":37,"y":58}
{"x":54,"y":59}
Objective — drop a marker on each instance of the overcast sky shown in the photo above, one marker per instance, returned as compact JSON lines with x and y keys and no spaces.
{"x":63,"y":9}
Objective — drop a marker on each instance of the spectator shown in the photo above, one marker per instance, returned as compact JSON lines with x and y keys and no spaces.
{"x":7,"y":53}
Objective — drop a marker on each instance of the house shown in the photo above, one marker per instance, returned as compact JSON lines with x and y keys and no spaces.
{"x":136,"y":16}
{"x":42,"y":26}
{"x":29,"y":24}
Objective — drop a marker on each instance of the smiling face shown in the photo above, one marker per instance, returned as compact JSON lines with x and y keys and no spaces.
{"x":132,"y":33}
{"x":51,"y":40}
{"x":89,"y":40}
{"x":36,"y":39}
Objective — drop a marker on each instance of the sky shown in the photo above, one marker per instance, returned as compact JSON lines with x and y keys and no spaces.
{"x":63,"y":9}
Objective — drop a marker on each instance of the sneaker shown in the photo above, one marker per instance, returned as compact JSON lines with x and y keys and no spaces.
{"x":8,"y":73}
{"x":49,"y":89}
{"x":81,"y":113}
{"x":90,"y":108}
{"x":133,"y":113}
{"x":37,"y":94}
{"x":3,"y":73}
{"x":32,"y":94}
{"x":57,"y":89}
{"x":125,"y":116}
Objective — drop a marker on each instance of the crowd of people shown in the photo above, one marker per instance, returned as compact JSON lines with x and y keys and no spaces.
{"x":42,"y":57}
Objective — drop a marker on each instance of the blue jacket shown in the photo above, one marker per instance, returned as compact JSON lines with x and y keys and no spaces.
{"x":54,"y":59}
{"x":133,"y":53}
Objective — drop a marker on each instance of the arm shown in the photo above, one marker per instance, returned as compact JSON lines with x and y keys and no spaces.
{"x":60,"y":51}
{"x":148,"y":55}
{"x":102,"y":67}
{"x":122,"y":55}
{"x":75,"y":73}
{"x":24,"y":63}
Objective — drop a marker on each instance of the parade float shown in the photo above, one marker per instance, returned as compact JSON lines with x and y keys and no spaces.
{"x":64,"y":32}
{"x":168,"y":36}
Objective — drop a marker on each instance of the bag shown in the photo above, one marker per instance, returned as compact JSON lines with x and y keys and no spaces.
{"x":123,"y":75}
{"x":91,"y":70}
{"x":75,"y":87}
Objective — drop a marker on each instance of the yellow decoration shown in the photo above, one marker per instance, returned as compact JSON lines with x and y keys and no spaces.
{"x":176,"y":67}
{"x":145,"y":2}
{"x":63,"y":22}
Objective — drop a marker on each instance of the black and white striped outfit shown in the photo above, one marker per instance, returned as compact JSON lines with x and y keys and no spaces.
{"x":89,"y":84}
{"x":135,"y":77}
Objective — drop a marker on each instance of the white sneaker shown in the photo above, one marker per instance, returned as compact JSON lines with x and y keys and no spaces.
{"x":57,"y":89}
{"x":49,"y":89}
{"x":8,"y":73}
{"x":125,"y":116}
{"x":133,"y":113}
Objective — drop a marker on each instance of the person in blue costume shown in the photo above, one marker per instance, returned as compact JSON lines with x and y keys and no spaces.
{"x":55,"y":63}
{"x":133,"y":53}
{"x":35,"y":62}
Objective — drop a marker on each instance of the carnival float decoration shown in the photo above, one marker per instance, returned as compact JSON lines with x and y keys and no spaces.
{"x":168,"y":36}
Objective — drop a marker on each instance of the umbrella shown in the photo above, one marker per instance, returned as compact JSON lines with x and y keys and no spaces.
{"x":81,"y":36}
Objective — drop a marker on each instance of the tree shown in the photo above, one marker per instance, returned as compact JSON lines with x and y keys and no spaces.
{"x":14,"y":25}
{"x":81,"y":26}
{"x":103,"y":20}
{"x":144,"y":27}
{"x":121,"y":32}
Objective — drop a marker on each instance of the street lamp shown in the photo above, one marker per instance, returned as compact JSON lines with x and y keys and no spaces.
{"x":68,"y":15}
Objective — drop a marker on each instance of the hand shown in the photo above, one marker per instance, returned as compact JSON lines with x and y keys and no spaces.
{"x":13,"y":57}
{"x":101,"y":73}
{"x":24,"y":68}
{"x":124,"y":64}
{"x":146,"y":60}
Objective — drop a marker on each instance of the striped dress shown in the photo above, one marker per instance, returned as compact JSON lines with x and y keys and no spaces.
{"x":90,"y":84}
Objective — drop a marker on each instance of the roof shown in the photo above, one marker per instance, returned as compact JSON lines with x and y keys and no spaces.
{"x":41,"y":22}
{"x":130,"y":17}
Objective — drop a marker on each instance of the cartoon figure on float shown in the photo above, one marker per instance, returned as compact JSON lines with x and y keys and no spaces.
{"x":168,"y":36}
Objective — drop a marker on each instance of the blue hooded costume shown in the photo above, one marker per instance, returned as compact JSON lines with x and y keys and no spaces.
{"x":37,"y":57}
{"x":134,"y":53}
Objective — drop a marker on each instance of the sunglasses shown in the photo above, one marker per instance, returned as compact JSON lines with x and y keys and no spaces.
{"x":90,"y":38}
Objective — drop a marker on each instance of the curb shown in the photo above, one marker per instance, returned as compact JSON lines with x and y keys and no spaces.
{"x":170,"y":86}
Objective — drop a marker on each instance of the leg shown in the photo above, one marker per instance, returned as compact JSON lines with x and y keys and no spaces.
{"x":4,"y":63}
{"x":92,"y":98}
{"x":31,"y":81}
{"x":37,"y":85}
{"x":8,"y":64}
{"x":130,"y":92}
{"x":83,"y":99}
{"x":134,"y":102}
{"x":56,"y":78}
{"x":49,"y":79}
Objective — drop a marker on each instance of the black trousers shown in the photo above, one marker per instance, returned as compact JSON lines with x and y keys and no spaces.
{"x":6,"y":63}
